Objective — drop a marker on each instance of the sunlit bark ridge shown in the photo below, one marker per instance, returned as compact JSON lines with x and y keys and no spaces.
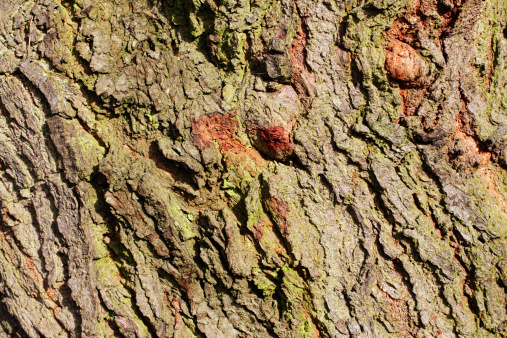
{"x":253,"y":168}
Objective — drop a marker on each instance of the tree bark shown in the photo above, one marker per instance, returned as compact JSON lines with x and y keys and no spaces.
{"x":260,"y":168}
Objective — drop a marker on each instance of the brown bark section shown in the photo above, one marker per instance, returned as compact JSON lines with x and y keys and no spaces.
{"x":294,"y":168}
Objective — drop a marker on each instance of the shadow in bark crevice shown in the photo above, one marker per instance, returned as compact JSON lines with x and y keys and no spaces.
{"x":9,"y":323}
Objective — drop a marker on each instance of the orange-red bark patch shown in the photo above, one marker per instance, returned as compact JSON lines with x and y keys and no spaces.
{"x":215,"y":127}
{"x":222,"y":129}
{"x":468,"y":151}
{"x":302,"y":77}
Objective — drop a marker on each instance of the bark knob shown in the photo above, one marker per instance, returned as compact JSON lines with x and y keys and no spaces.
{"x":403,"y":63}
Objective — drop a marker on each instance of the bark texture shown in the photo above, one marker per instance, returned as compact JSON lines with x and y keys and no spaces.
{"x":253,"y":168}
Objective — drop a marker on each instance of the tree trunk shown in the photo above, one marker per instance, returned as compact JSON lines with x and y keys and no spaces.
{"x":253,"y":168}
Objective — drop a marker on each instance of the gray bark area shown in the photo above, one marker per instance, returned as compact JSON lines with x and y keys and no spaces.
{"x":253,"y":168}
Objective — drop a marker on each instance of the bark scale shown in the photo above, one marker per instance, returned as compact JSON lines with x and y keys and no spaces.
{"x":222,"y":168}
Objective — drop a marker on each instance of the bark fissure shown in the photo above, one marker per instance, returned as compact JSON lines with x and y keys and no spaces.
{"x":253,"y":168}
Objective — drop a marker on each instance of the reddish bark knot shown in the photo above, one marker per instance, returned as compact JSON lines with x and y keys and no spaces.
{"x":277,"y":141}
{"x":270,"y":118}
{"x":403,"y":63}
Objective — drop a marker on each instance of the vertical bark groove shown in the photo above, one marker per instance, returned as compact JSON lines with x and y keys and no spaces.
{"x":294,"y":168}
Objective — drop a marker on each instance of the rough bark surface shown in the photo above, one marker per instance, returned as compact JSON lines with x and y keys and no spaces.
{"x":253,"y":168}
